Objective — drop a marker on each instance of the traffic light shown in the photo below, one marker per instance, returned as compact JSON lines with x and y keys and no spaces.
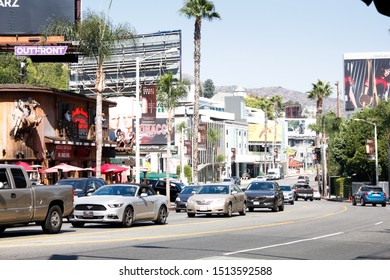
{"x":317,"y":155}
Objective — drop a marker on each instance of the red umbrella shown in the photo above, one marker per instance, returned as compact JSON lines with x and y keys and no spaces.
{"x":111,"y":168}
{"x":25,"y":165}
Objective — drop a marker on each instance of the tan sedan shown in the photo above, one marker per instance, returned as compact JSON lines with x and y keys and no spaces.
{"x":217,"y":198}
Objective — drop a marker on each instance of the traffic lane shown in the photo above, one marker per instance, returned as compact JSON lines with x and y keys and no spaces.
{"x":143,"y":239}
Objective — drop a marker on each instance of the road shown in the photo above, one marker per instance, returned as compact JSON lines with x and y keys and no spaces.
{"x":307,"y":230}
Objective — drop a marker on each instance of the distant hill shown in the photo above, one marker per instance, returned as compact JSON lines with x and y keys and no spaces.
{"x":287,"y":95}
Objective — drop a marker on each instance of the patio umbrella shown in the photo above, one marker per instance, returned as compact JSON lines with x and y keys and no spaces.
{"x":63,"y":167}
{"x":29,"y":167}
{"x":111,"y":168}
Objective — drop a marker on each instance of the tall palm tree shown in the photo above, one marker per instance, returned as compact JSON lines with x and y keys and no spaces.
{"x":277,"y":103}
{"x":213,"y":136}
{"x":96,"y":37}
{"x":319,"y":91}
{"x":198,"y":9}
{"x":169,"y":94}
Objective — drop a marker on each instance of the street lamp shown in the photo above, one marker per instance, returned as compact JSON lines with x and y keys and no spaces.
{"x":138,"y":111}
{"x":376,"y":149}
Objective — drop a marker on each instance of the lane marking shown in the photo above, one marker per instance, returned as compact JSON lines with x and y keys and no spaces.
{"x":167,"y":236}
{"x":378,"y":223}
{"x":283,"y":244}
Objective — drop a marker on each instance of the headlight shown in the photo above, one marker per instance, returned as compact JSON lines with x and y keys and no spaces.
{"x":190,"y":202}
{"x":178,"y":199}
{"x":116,"y":205}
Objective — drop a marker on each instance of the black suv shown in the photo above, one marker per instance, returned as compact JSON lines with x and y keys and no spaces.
{"x":83,"y":186}
{"x":176,"y":187}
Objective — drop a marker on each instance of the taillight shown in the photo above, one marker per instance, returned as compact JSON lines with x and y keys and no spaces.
{"x":366,"y":194}
{"x":384,"y":194}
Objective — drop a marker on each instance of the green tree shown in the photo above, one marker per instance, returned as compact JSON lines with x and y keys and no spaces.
{"x":9,"y":69}
{"x":96,"y":36}
{"x":198,"y":9}
{"x":169,"y":95}
{"x":213,"y":137}
{"x":208,"y":88}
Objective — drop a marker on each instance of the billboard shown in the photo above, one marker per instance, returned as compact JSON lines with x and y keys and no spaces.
{"x":366,"y":79}
{"x":300,"y":128}
{"x":256,"y":132}
{"x":28,"y":17}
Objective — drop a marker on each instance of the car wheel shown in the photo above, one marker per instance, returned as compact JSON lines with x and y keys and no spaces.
{"x":281,"y":207}
{"x":250,"y":209}
{"x":128,"y":217}
{"x":53,"y":221}
{"x":190,"y":215}
{"x":311,"y":199}
{"x":296,"y":198}
{"x":243,"y":211}
{"x":353,"y":201}
{"x":275,"y":207}
{"x":362,"y":202}
{"x":162,"y":216}
{"x":292,"y":202}
{"x":178,"y":211}
{"x":77,"y":224}
{"x":229,"y":210}
{"x":383,"y":205}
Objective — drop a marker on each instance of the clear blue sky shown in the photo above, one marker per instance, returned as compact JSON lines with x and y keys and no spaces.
{"x":260,"y":43}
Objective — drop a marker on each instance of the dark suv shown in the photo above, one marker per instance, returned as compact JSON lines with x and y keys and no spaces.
{"x":176,"y":187}
{"x":83,"y":186}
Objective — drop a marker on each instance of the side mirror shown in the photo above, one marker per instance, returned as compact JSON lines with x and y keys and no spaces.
{"x":234,"y":192}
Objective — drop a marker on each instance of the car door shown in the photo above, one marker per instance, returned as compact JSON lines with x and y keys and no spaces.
{"x":145,"y":203}
{"x":16,"y":204}
{"x":238,"y":198}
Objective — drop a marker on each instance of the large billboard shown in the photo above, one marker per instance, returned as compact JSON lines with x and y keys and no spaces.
{"x":366,"y":79}
{"x":257,"y":132}
{"x":28,"y":17}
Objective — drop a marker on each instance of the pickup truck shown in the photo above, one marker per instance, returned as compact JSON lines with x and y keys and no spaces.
{"x":303,"y":191}
{"x":22,"y":202}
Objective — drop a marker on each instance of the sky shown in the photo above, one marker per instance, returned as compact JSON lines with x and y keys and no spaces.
{"x":260,"y":43}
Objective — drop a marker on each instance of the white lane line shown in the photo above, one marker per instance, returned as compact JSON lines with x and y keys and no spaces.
{"x":283,"y":244}
{"x":378,"y":223}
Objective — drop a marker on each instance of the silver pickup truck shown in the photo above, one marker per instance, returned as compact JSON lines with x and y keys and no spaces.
{"x":21,"y":202}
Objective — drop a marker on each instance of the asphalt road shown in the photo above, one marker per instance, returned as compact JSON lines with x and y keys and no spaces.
{"x":307,"y":230}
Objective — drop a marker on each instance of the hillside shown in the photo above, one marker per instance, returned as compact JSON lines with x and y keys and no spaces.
{"x":287,"y":95}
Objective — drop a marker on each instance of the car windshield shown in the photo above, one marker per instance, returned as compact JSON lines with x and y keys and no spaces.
{"x":116,"y":190}
{"x":214,"y":190}
{"x":260,"y":186}
{"x":189,"y":190}
{"x":372,"y":189}
{"x":285,"y":188}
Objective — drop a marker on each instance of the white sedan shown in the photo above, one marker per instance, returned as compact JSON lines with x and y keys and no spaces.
{"x":120,"y":204}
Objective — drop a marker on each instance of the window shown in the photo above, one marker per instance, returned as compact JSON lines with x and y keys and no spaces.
{"x":19,"y":178}
{"x":4,"y":179}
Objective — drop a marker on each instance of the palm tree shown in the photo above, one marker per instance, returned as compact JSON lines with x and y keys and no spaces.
{"x":320,"y":91}
{"x":198,"y":9}
{"x":96,"y":37}
{"x":277,"y":103}
{"x":213,"y":136}
{"x":169,"y":93}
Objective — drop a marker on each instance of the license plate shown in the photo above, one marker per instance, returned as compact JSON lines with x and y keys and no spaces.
{"x":88,"y":214}
{"x":375,"y":194}
{"x":203,"y":208}
{"x":256,"y":203}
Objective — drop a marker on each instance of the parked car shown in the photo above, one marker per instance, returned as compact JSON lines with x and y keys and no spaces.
{"x":303,"y":179}
{"x":217,"y":198}
{"x":245,"y":176}
{"x":83,"y":186}
{"x":181,"y":199}
{"x":261,"y":178}
{"x":288,"y":193}
{"x":265,"y":195}
{"x":316,"y":195}
{"x":120,"y":204}
{"x":161,"y":188}
{"x":369,"y":195}
{"x":303,"y":191}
